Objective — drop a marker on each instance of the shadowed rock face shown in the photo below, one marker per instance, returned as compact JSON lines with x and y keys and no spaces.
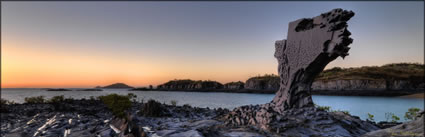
{"x":311,"y":44}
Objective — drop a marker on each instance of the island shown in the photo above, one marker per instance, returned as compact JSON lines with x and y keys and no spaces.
{"x":117,"y":85}
{"x":58,"y":89}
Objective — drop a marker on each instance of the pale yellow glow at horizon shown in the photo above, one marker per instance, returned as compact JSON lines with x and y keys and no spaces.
{"x":34,"y":68}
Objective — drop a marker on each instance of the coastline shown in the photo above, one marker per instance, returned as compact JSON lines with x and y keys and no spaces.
{"x":384,"y":93}
{"x":416,"y":95}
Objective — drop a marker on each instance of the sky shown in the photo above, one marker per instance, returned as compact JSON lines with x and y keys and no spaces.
{"x":86,"y":44}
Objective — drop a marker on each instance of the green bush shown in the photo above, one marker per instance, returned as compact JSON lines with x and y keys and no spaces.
{"x":324,"y":108}
{"x":56,"y":99}
{"x":32,"y":100}
{"x":370,"y":117}
{"x":411,"y":114}
{"x":391,"y":116}
{"x":173,"y":102}
{"x":118,"y":104}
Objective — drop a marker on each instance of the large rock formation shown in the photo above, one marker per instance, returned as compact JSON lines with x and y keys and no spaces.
{"x":311,"y":44}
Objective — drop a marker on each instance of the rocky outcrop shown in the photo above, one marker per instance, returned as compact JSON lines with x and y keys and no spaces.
{"x":365,"y":84}
{"x":118,"y":85}
{"x":311,"y":44}
{"x":190,"y":85}
{"x":234,"y":85}
{"x":268,"y":82}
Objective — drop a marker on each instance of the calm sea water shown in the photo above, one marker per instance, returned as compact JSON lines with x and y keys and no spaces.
{"x":356,"y":105}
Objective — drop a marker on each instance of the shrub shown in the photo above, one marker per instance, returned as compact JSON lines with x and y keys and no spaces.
{"x":394,"y":118}
{"x":173,"y":102}
{"x":370,"y":117}
{"x":151,"y":109}
{"x":345,"y":112}
{"x":56,"y":99}
{"x":411,"y":114}
{"x":92,"y":98}
{"x":391,"y":116}
{"x":324,"y":108}
{"x":118,"y":104}
{"x":132,"y":97}
{"x":32,"y":100}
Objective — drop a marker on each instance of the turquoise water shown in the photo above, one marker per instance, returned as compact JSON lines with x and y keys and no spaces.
{"x":356,"y":105}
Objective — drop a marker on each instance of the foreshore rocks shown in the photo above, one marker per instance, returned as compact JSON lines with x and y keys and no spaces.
{"x":88,"y":118}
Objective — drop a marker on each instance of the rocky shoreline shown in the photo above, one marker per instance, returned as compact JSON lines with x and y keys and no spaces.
{"x":92,"y":118}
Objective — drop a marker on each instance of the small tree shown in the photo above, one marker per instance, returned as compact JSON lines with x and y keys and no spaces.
{"x":391,"y":116}
{"x":411,"y":114}
{"x":118,"y":104}
{"x":173,"y":102}
{"x":370,"y":117}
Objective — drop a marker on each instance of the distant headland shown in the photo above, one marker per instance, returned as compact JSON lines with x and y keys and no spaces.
{"x":394,"y":79}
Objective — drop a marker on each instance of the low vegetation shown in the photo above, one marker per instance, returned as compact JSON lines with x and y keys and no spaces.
{"x":370,"y":117}
{"x":173,"y":102}
{"x":411,"y":114}
{"x":35,"y":100}
{"x":265,"y":77}
{"x":390,"y":115}
{"x":397,"y":71}
{"x":118,"y":104}
{"x":151,"y":109}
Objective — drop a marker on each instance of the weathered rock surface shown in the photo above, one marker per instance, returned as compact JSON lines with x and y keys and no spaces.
{"x":263,"y":83}
{"x":311,"y":44}
{"x":234,"y":85}
{"x":364,"y":84}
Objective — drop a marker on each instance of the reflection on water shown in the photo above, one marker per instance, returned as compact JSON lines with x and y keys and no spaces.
{"x":356,"y":105}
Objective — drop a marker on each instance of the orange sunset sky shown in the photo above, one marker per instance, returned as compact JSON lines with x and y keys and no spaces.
{"x":88,"y":44}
